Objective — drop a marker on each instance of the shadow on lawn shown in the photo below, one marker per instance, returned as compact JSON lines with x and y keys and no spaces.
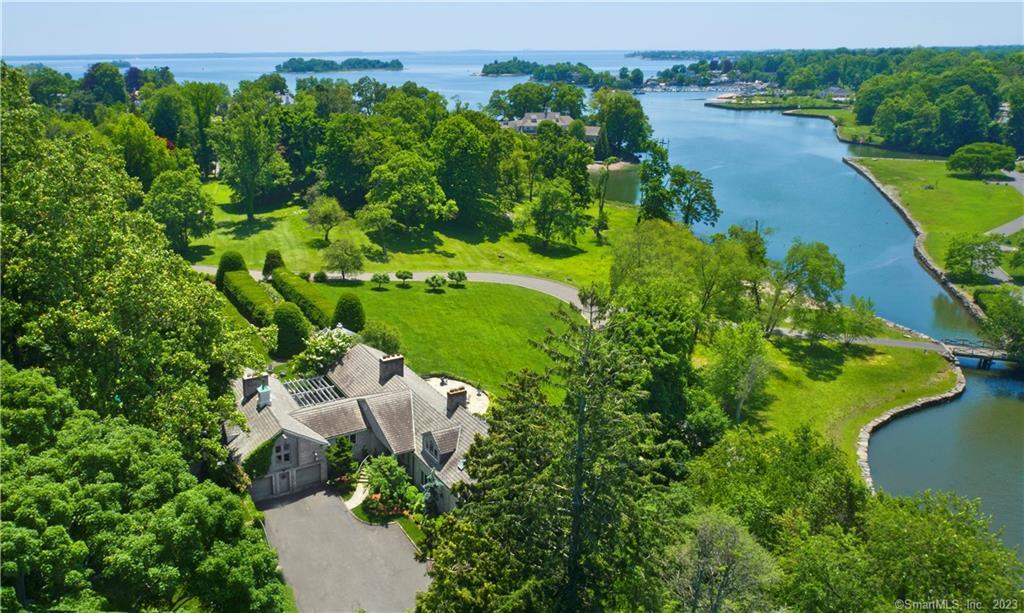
{"x":820,"y":361}
{"x":551,"y":250}
{"x":241,"y":230}
{"x":197,"y":253}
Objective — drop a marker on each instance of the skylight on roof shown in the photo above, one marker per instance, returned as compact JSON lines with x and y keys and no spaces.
{"x":312,"y":391}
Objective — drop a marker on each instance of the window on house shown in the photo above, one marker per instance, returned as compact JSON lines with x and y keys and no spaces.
{"x":283,"y":452}
{"x":352,"y":438}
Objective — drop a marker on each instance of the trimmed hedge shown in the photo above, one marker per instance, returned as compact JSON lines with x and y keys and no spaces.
{"x":348,"y":312}
{"x":272,"y":262}
{"x":304,"y":294}
{"x":229,"y":261}
{"x":292,"y":329}
{"x":251,"y":300}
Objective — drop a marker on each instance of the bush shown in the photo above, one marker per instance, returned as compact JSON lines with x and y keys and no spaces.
{"x":306,"y":296}
{"x":251,"y":300}
{"x":381,"y":279}
{"x":456,"y":278}
{"x":435,"y":283}
{"x":322,"y":351}
{"x":349,"y":312}
{"x":386,"y":481}
{"x":230,"y":260}
{"x":381,"y":336}
{"x":271,"y":262}
{"x":292,"y":329}
{"x":375,"y":253}
{"x":320,"y":276}
{"x":339,"y":458}
{"x":404,"y":276}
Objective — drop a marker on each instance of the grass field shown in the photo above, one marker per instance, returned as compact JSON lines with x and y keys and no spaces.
{"x":837,"y":389}
{"x":478,"y":333}
{"x":943,"y":204}
{"x":774,"y":103}
{"x":499,"y":249}
{"x":846,"y":125}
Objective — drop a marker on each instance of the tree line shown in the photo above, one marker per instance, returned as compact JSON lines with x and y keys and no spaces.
{"x":644,"y":484}
{"x":117,"y":364}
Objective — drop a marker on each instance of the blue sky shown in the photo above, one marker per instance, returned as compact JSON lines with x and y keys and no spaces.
{"x":52,"y":28}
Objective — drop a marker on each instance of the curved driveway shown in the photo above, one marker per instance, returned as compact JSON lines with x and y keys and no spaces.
{"x":569,"y":294}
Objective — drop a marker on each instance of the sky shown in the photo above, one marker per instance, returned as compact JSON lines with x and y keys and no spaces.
{"x":55,"y":28}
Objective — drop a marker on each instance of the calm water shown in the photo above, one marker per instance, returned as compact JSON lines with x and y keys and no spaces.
{"x":785,"y":173}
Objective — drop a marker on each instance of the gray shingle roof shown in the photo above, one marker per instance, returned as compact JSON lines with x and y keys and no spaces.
{"x":392,"y":413}
{"x":333,"y":419}
{"x":401,"y":410}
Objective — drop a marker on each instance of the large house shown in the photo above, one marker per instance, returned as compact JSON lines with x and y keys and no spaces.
{"x":369,"y":397}
{"x":527,"y":124}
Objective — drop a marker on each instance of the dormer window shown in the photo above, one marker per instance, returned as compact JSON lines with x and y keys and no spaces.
{"x":431,"y":447}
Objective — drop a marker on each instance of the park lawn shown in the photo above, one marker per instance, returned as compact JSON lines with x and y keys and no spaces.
{"x":458,"y":247}
{"x":836,"y":389}
{"x":846,"y":125}
{"x":943,"y":204}
{"x":478,"y":333}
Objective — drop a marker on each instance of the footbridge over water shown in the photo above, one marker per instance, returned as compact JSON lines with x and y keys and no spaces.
{"x":984,"y":352}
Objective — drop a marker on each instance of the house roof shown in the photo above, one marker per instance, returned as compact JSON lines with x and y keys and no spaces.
{"x":400,"y":410}
{"x":267,"y":422}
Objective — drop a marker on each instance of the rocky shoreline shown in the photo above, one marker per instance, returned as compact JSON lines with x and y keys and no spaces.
{"x":920,"y":235}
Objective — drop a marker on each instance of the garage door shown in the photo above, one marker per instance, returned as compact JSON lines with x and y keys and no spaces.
{"x":307,"y":476}
{"x":262,"y":488}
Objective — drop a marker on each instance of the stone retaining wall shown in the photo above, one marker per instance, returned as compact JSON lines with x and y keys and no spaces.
{"x":864,"y":438}
{"x":831,"y":118}
{"x":933,"y":269}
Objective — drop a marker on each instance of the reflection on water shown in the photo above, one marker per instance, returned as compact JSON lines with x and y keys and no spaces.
{"x":971,"y":446}
{"x":623,"y":184}
{"x":950,"y":315}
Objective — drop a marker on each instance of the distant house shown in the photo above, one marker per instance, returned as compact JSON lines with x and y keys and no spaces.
{"x":527,"y":124}
{"x":837,"y":94}
{"x":369,"y":397}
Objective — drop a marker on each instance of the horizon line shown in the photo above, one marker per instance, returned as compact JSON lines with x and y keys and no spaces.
{"x":99,"y":54}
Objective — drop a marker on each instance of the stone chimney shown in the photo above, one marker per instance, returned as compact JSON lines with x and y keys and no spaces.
{"x":391,"y":365}
{"x":457,"y":396}
{"x":251,"y":384}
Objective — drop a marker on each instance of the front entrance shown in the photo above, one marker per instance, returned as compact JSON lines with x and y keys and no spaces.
{"x":283,"y":483}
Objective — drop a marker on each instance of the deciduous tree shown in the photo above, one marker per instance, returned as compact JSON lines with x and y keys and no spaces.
{"x":176,"y":201}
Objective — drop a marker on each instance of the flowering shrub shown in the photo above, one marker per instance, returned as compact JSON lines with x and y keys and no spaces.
{"x":322,"y":350}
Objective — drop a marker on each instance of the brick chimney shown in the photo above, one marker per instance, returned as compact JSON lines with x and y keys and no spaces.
{"x":457,"y":396}
{"x":391,"y":365}
{"x":251,"y":384}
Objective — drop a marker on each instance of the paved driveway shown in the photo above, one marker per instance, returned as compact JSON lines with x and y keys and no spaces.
{"x":335,"y":563}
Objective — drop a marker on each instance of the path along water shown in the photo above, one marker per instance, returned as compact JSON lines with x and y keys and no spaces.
{"x":784,"y":173}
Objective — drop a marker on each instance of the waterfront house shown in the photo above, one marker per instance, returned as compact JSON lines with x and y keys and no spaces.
{"x":371,"y":398}
{"x":527,"y":124}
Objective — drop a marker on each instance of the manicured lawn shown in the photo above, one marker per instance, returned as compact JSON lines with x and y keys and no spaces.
{"x":496,"y":248}
{"x":946,"y":205}
{"x":414,"y":532}
{"x":770,"y":103}
{"x":846,"y":125}
{"x":478,"y":333}
{"x":837,"y":390}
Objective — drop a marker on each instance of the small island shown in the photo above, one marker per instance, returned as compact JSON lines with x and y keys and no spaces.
{"x":565,"y":72}
{"x":298,"y":64}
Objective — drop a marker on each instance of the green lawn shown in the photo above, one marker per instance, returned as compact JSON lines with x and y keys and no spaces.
{"x":775,"y":103}
{"x":413,"y":531}
{"x":837,"y":389}
{"x":459,"y":247}
{"x":478,"y":333}
{"x":846,"y":125}
{"x":943,"y":204}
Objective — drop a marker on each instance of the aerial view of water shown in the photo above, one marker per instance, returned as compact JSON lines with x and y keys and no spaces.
{"x":787,"y":174}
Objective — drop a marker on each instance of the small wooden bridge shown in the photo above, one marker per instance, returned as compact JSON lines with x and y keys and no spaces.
{"x":984,"y":352}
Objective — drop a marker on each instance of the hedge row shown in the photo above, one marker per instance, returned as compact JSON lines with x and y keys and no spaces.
{"x":249,"y":298}
{"x":305,"y":294}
